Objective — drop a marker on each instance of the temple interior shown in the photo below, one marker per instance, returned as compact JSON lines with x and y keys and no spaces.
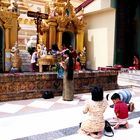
{"x":106,"y":34}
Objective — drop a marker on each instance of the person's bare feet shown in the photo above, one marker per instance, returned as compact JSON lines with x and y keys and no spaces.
{"x":126,"y":125}
{"x":116,"y":126}
{"x":96,"y":136}
{"x":121,"y":126}
{"x":131,"y":107}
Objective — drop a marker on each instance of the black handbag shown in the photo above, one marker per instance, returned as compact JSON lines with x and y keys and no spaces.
{"x":48,"y":95}
{"x":108,"y":131}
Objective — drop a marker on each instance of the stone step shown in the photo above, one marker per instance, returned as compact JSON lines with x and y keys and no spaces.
{"x":129,"y":78}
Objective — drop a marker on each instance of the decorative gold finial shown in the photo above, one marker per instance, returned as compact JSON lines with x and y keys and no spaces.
{"x":4,"y":4}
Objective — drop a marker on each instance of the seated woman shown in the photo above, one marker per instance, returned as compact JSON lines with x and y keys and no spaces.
{"x":77,"y":65}
{"x":136,"y":63}
{"x":94,"y":108}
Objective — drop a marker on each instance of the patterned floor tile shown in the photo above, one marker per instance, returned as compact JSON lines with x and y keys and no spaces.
{"x":85,"y":97}
{"x":29,"y":110}
{"x":10,"y":108}
{"x":41,"y":104}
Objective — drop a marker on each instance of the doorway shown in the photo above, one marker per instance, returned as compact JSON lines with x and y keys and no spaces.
{"x":68,"y":39}
{"x":1,"y":49}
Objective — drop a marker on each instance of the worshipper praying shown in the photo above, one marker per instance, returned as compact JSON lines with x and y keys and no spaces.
{"x":68,"y":80}
{"x":125,"y":96}
{"x":136,"y":62}
{"x":77,"y":65}
{"x":121,"y":111}
{"x":34,"y":58}
{"x":94,"y":124}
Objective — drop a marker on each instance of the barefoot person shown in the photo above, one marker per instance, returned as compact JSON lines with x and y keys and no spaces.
{"x":121,"y":111}
{"x":94,"y":108}
{"x":68,"y":79}
{"x":125,"y":96}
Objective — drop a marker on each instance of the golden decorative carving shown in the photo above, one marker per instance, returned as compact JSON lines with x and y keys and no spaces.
{"x":4,"y":4}
{"x":48,"y":60}
{"x":68,"y":19}
{"x":62,"y":18}
{"x":69,"y":10}
{"x":6,"y":18}
{"x":8,"y":21}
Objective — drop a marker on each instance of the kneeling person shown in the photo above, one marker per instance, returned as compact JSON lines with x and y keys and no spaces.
{"x":121,"y":111}
{"x":125,"y":96}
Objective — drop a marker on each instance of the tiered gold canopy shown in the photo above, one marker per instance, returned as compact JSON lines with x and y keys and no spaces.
{"x":63,"y":21}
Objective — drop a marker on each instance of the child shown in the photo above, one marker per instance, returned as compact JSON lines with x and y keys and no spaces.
{"x":94,"y":108}
{"x":125,"y":96}
{"x":121,"y":111}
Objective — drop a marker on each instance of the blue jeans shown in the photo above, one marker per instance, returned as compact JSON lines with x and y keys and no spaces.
{"x":125,"y":95}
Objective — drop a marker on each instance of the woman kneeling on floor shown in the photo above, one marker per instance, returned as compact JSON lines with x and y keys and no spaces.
{"x":94,"y":124}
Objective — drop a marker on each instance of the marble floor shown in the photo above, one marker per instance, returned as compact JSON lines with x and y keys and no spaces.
{"x":55,"y":119}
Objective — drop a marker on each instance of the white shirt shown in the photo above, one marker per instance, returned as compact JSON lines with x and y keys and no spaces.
{"x":33,"y":57}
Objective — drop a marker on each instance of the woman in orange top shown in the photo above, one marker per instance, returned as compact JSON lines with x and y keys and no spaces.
{"x":77,"y":64}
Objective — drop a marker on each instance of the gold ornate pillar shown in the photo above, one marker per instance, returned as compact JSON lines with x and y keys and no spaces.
{"x":52,"y":32}
{"x":7,"y":39}
{"x":79,"y":40}
{"x":59,"y":38}
{"x":47,"y":40}
{"x":14,"y":29}
{"x":7,"y":49}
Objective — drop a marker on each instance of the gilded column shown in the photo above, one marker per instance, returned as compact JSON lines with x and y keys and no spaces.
{"x":59,"y":38}
{"x":7,"y":38}
{"x":47,"y":40}
{"x":7,"y":50}
{"x":14,"y":30}
{"x":79,"y":40}
{"x":52,"y":32}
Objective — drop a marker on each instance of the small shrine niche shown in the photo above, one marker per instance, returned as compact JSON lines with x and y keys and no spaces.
{"x":70,"y":26}
{"x":69,"y":10}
